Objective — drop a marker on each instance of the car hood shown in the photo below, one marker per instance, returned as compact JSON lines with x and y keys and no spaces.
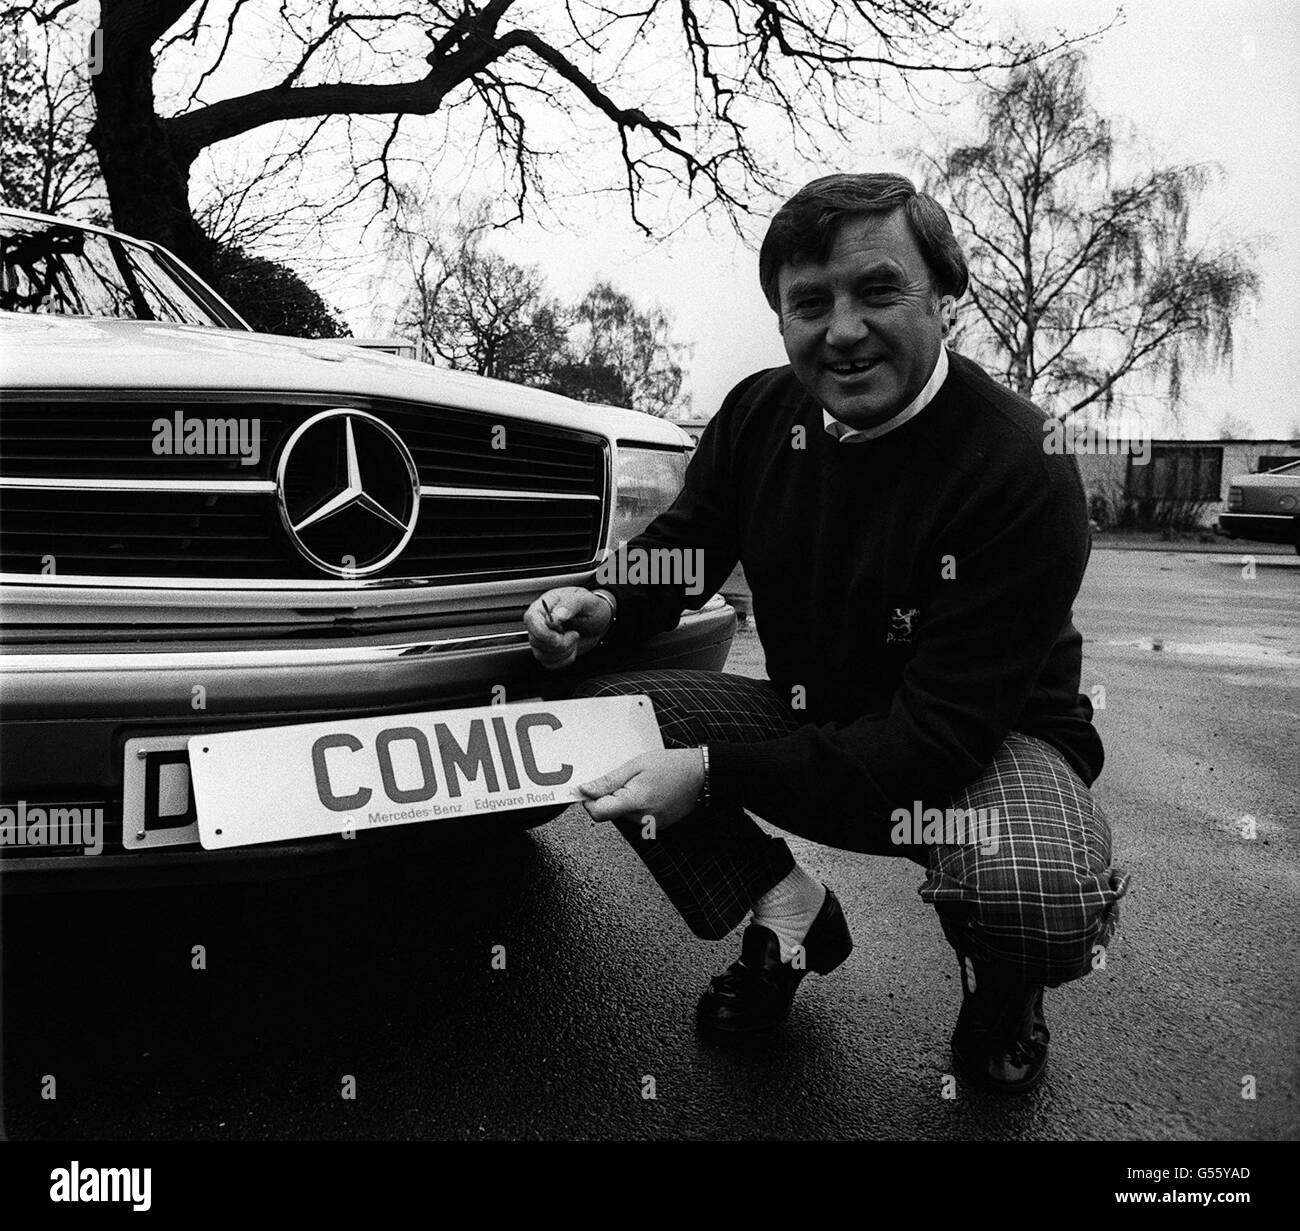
{"x":53,"y":352}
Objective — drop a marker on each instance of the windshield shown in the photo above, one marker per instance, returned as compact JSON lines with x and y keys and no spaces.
{"x":62,"y":270}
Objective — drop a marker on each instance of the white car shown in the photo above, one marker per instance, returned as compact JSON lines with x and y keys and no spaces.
{"x":1265,"y":507}
{"x":205,"y":529}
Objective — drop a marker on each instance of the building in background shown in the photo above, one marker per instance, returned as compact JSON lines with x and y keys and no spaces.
{"x":1180,"y":482}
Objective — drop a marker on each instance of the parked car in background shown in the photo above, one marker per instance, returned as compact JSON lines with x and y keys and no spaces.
{"x":1265,"y":507}
{"x":205,"y":529}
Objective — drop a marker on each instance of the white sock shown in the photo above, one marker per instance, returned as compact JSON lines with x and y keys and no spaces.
{"x":789,"y":908}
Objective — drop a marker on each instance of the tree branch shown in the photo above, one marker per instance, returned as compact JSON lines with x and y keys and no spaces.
{"x":133,"y":26}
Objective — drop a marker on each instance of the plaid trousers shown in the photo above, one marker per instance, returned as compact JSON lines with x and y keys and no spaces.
{"x":1041,"y":898}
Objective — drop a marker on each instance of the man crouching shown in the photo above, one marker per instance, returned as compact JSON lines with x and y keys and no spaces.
{"x":913,"y":553}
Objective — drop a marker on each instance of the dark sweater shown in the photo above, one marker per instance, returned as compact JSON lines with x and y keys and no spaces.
{"x":913,"y":591}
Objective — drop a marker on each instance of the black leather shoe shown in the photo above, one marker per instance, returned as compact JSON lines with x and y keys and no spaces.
{"x":1001,"y":1038}
{"x":756,"y":992}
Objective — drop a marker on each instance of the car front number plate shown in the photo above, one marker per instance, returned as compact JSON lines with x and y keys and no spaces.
{"x":157,"y":799}
{"x":278,"y":783}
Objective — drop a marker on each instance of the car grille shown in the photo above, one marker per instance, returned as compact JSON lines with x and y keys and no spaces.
{"x":531,"y":500}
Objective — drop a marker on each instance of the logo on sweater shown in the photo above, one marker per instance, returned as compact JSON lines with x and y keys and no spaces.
{"x":902,"y":625}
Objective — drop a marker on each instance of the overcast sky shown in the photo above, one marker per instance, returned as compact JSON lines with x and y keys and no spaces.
{"x":1200,"y":79}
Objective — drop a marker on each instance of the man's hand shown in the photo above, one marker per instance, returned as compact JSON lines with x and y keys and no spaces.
{"x":664,"y":785}
{"x":577,"y":621}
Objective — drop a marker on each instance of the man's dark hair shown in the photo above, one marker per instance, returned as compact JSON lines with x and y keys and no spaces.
{"x":805,"y":227}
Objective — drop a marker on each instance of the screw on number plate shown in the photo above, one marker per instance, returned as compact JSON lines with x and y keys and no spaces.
{"x":140,"y":754}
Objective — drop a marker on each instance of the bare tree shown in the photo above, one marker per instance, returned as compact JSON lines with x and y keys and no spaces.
{"x":475,"y":310}
{"x":508,"y":75}
{"x":46,"y":110}
{"x":1083,"y":276}
{"x":491,"y":316}
{"x":618,"y":353}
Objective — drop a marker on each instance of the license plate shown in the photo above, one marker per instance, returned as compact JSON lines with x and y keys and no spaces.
{"x":157,"y":797}
{"x":322,"y":778}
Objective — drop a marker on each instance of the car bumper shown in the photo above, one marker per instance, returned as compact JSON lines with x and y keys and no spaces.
{"x":67,"y":716}
{"x":1260,"y":527}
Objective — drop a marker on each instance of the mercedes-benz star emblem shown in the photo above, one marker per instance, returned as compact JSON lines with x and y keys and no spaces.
{"x":348,"y":492}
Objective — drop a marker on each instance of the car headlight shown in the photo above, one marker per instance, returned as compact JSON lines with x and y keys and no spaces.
{"x":1234,"y":498}
{"x":646,"y":482}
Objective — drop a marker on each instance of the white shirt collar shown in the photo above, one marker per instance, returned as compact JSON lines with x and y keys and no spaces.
{"x":849,"y":436}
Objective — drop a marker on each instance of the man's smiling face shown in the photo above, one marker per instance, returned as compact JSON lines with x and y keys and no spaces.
{"x":862,"y":328}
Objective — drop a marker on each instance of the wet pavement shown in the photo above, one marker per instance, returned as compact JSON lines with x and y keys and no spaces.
{"x":540,"y":987}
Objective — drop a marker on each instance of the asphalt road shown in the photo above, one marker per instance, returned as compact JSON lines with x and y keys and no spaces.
{"x":388,"y":978}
